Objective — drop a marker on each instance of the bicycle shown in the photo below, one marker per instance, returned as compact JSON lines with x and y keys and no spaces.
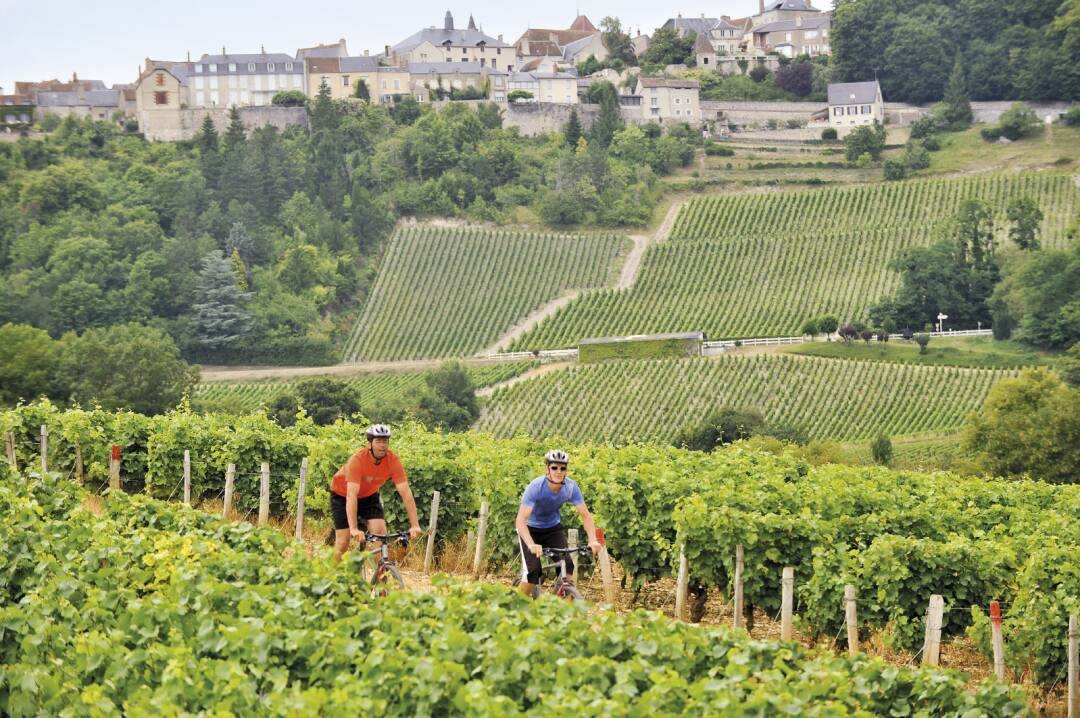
{"x":386,"y":572}
{"x":564,"y":585}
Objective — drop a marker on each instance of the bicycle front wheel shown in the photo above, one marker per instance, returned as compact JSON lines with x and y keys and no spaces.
{"x":568,"y":592}
{"x":387,"y":578}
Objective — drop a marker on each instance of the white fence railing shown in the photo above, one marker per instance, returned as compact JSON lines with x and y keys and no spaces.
{"x":756,"y":341}
{"x":964,"y":333}
{"x":544,"y":355}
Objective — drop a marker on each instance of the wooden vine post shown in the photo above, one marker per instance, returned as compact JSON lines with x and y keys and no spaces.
{"x":78,"y":464}
{"x":230,"y":479}
{"x":264,"y":493}
{"x":44,"y":449}
{"x":1074,"y":669}
{"x":572,"y":538}
{"x":737,"y":619}
{"x":481,"y":532}
{"x":852,"y":619}
{"x":433,"y":523}
{"x":787,"y":602}
{"x":301,"y":490}
{"x":932,"y":644}
{"x":605,"y":568}
{"x":9,"y":450}
{"x":682,"y":585}
{"x":997,"y":639}
{"x":114,"y":467}
{"x":187,"y":478}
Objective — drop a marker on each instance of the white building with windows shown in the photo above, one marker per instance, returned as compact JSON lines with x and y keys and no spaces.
{"x":855,"y":103}
{"x":243,"y":80}
{"x":666,"y":98}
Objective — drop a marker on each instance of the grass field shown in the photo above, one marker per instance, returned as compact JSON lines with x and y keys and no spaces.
{"x":445,"y":292}
{"x":827,"y":399}
{"x":975,"y":352}
{"x":372,"y":388}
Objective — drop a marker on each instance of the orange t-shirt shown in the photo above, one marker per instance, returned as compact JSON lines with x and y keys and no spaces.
{"x":362,"y":469}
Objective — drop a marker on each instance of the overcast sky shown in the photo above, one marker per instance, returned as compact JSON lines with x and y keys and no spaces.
{"x":108,"y":40}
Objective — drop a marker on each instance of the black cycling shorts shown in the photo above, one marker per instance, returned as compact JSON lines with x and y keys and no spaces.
{"x":368,"y":507}
{"x":554,"y":537}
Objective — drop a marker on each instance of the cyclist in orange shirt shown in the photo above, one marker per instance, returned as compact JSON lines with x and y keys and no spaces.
{"x":354,"y":491}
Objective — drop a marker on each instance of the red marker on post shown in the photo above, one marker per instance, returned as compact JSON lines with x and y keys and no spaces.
{"x":997,"y":639}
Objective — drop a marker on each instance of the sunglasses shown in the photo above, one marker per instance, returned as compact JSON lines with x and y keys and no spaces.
{"x":557,"y":467}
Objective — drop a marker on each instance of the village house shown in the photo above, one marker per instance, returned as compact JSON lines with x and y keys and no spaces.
{"x":333,"y":49}
{"x":549,"y":50}
{"x":672,"y":99}
{"x":552,"y":87}
{"x":855,"y":103}
{"x":16,"y":110}
{"x":77,"y":98}
{"x":450,"y":44}
{"x":242,"y":79}
{"x":790,"y":28}
{"x":434,"y":81}
{"x":342,"y":75}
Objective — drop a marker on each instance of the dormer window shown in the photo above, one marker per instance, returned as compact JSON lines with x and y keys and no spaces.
{"x":251,"y":67}
{"x":213,"y":67}
{"x":232,"y":67}
{"x":288,"y":67}
{"x":270,"y":67}
{"x":198,"y":68}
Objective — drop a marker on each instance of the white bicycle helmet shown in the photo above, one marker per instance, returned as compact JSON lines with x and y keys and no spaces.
{"x":378,"y":431}
{"x":556,"y":456}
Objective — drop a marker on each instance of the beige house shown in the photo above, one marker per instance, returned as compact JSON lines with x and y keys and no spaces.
{"x":450,"y":44}
{"x":790,"y":28}
{"x":432,"y":81}
{"x":342,"y":74}
{"x":855,"y":103}
{"x":77,"y":98}
{"x":671,"y":99}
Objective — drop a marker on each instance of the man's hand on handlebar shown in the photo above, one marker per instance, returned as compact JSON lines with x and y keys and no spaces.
{"x":356,"y":534}
{"x":594,"y":546}
{"x":537,"y":550}
{"x":415,"y":532}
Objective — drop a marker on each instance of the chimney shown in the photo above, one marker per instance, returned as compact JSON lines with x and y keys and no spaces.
{"x":188,"y":56}
{"x":386,"y":50}
{"x":761,"y":7}
{"x":262,"y":49}
{"x":702,"y":16}
{"x":223,"y":50}
{"x":501,"y":38}
{"x":448,"y":21}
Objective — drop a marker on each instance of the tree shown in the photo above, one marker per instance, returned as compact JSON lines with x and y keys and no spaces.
{"x":1069,"y":366}
{"x":209,"y":158}
{"x":372,"y":218}
{"x":448,"y":398}
{"x":719,"y":427}
{"x":1025,"y":218}
{"x":760,"y":73}
{"x":126,"y":366}
{"x":848,"y":333}
{"x":796,"y":78}
{"x":667,"y":48}
{"x":1030,"y":426}
{"x":406,"y":110}
{"x":914,"y":64}
{"x":866,"y":335}
{"x":811,"y":327}
{"x":1018,"y":121}
{"x":617,"y":42}
{"x":235,"y":133}
{"x":490,"y":115}
{"x":608,"y":121}
{"x":895,"y":170}
{"x":1040,"y":294}
{"x":289,"y":98}
{"x":219,"y":317}
{"x":865,"y":139}
{"x":828,"y":324}
{"x":572,"y":131}
{"x":922,"y":339}
{"x":881,"y":450}
{"x":29,"y":358}
{"x":361,"y":91}
{"x":283,"y":409}
{"x":957,"y":102}
{"x":323,"y":114}
{"x":326,"y":400}
{"x":240,"y":241}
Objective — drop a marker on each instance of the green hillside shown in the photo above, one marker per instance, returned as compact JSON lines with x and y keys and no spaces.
{"x":451,"y":292}
{"x":827,"y":398}
{"x":761,"y":264}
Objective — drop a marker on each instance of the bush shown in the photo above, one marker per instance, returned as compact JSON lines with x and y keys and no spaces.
{"x":864,"y":161}
{"x":1019,"y":121}
{"x":895,"y":170}
{"x":990,"y":134}
{"x":865,"y":139}
{"x":715,"y":150}
{"x":515,"y":95}
{"x":289,"y":98}
{"x":922,"y":340}
{"x":829,"y":133}
{"x":932,"y":143}
{"x":760,"y":73}
{"x":916,"y":156}
{"x":1072,"y":116}
{"x":881,"y":450}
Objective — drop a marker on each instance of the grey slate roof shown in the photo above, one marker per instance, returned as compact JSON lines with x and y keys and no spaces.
{"x":180,"y":70}
{"x":691,"y":24}
{"x":791,"y":5}
{"x":808,"y":23}
{"x":437,"y":36}
{"x":93,"y":98}
{"x":853,"y":93}
{"x":261,"y":61}
{"x":571,"y":49}
{"x":358,"y":64}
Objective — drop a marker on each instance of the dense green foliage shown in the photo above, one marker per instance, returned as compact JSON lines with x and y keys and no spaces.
{"x":374,"y":390}
{"x":149,"y":608}
{"x":127,"y":366}
{"x":1025,"y":50}
{"x":650,"y":400}
{"x":451,"y":292}
{"x":1029,"y":425}
{"x":1039,"y":297}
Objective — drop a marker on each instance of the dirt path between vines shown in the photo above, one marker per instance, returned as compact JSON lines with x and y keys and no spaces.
{"x":641,"y":242}
{"x":529,"y":374}
{"x":534,"y":318}
{"x":251,"y":373}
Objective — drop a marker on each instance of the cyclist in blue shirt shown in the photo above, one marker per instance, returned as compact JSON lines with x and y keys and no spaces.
{"x":538,"y":522}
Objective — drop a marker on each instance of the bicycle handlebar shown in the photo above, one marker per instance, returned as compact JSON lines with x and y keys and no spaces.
{"x":580,"y":550}
{"x":400,"y":536}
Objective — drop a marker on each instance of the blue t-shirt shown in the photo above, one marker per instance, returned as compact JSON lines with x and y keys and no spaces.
{"x":545,"y":505}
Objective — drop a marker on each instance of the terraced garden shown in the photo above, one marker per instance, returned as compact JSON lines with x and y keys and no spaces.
{"x":371,"y":387}
{"x":827,"y":398}
{"x":450,"y":292}
{"x":760,"y":264}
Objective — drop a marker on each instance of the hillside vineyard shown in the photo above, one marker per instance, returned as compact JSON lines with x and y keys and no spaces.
{"x":451,"y":292}
{"x":827,"y":398}
{"x":761,"y":264}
